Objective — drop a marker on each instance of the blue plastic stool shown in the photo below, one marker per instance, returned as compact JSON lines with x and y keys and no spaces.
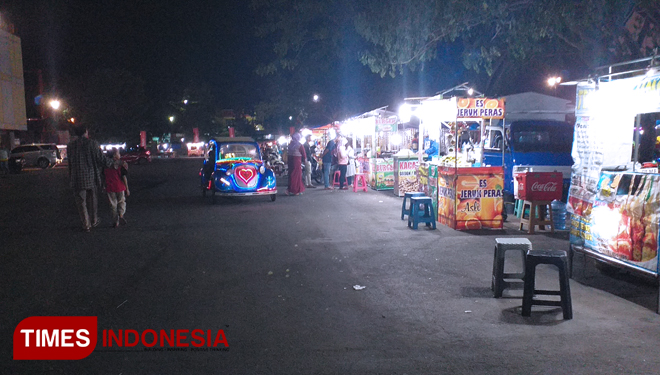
{"x":406,"y":210}
{"x":418,"y":216}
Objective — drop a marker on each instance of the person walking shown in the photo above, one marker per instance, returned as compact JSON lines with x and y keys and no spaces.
{"x":350,"y":168}
{"x":326,"y":158}
{"x":308,"y":162}
{"x":86,"y":160}
{"x":342,"y":162}
{"x":116,"y":186}
{"x":295,"y":156}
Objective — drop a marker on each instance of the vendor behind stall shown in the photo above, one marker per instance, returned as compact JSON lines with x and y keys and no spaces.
{"x":432,"y":149}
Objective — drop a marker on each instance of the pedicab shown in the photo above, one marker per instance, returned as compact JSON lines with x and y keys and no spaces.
{"x":234,"y":167}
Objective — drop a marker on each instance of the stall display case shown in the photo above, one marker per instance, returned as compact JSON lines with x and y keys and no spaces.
{"x":405,"y":175}
{"x":470,"y":198}
{"x":614,"y":205}
{"x":382,"y":173}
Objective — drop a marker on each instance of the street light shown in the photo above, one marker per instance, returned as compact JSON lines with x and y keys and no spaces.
{"x":171,"y":118}
{"x":315,"y":98}
{"x":554,"y":81}
{"x":54,"y":104}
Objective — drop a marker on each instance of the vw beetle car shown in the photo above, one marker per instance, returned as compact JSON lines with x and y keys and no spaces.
{"x":233,"y":167}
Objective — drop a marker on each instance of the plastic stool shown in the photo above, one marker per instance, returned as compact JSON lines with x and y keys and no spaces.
{"x":559,"y":259}
{"x":418,"y":216}
{"x":360,"y":183}
{"x":502,"y":245}
{"x":335,"y":179}
{"x":534,"y":218}
{"x":404,"y":209}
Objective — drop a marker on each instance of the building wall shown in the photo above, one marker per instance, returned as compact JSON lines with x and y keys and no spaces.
{"x":12,"y":87}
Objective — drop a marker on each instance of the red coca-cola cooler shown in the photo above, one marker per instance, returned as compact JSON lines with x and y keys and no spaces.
{"x":539,"y":186}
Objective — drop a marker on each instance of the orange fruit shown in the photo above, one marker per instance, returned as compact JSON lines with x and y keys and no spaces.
{"x":463,"y":102}
{"x":492,"y":103}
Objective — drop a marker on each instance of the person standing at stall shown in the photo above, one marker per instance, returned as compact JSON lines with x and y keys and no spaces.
{"x":342,"y":162}
{"x":350,"y":168}
{"x":326,"y":158}
{"x":295,"y":156}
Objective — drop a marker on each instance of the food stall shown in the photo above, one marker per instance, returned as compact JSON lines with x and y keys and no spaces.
{"x":377,"y":138}
{"x":469,"y":194}
{"x":614,"y":198}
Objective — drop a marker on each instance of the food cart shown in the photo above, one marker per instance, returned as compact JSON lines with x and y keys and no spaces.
{"x":614,"y":199}
{"x":469,"y":194}
{"x":377,"y":138}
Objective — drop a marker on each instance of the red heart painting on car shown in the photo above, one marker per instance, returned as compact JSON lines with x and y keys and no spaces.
{"x":246,"y":175}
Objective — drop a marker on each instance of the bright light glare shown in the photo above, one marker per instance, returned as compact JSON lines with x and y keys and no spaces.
{"x":396,"y":139}
{"x":332,"y":133}
{"x":315,"y":97}
{"x":281,"y":140}
{"x":305,"y":132}
{"x":171,"y":118}
{"x":405,"y":112}
{"x":553,"y":81}
{"x":470,"y":91}
{"x":185,"y":101}
{"x":55,"y":104}
{"x":290,"y":117}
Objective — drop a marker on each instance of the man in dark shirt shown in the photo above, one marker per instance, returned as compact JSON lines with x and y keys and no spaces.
{"x":86,"y":161}
{"x":327,"y":162}
{"x":308,"y":162}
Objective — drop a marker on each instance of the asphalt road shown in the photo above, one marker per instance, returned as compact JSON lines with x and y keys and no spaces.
{"x":278,"y":278}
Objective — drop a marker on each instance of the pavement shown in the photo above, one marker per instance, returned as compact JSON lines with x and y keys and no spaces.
{"x":278,"y":278}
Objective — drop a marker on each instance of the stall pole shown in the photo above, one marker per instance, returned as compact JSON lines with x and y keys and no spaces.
{"x":637,"y":136}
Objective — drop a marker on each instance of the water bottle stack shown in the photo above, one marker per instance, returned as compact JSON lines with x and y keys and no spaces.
{"x":560,"y":215}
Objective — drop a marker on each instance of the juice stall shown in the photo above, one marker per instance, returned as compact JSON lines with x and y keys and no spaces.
{"x":469,"y":193}
{"x":614,"y":197}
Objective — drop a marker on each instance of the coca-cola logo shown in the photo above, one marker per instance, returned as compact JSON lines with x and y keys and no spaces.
{"x":548,"y":186}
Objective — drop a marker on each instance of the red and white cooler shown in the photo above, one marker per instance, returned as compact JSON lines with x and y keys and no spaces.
{"x":539,"y":186}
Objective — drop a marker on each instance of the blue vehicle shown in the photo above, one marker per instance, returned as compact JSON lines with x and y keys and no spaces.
{"x":234,"y":167}
{"x":536,"y":145}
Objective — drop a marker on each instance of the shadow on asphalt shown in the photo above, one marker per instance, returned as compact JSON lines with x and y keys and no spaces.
{"x":541,"y":316}
{"x":616,"y":281}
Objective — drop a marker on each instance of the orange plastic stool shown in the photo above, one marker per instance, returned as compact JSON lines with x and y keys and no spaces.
{"x":359,"y":183}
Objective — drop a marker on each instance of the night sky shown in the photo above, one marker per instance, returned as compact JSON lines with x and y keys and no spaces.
{"x":171,"y":43}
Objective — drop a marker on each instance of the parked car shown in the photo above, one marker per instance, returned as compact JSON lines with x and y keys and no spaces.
{"x":136,"y":155}
{"x":234,"y":167}
{"x":42,"y":155}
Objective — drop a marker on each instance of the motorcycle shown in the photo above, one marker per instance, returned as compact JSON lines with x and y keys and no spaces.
{"x":275,"y":162}
{"x":317,"y":171}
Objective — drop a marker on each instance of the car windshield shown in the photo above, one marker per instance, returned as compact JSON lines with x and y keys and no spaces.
{"x":543,"y":139}
{"x":238,"y":151}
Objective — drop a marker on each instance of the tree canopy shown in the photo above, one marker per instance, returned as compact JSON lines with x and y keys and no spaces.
{"x":497,"y":39}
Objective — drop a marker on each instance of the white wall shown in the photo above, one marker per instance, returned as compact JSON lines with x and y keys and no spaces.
{"x":12,"y":87}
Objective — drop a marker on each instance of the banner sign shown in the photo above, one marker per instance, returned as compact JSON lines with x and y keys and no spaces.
{"x":386,"y":124}
{"x":480,"y":108}
{"x":143,"y":139}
